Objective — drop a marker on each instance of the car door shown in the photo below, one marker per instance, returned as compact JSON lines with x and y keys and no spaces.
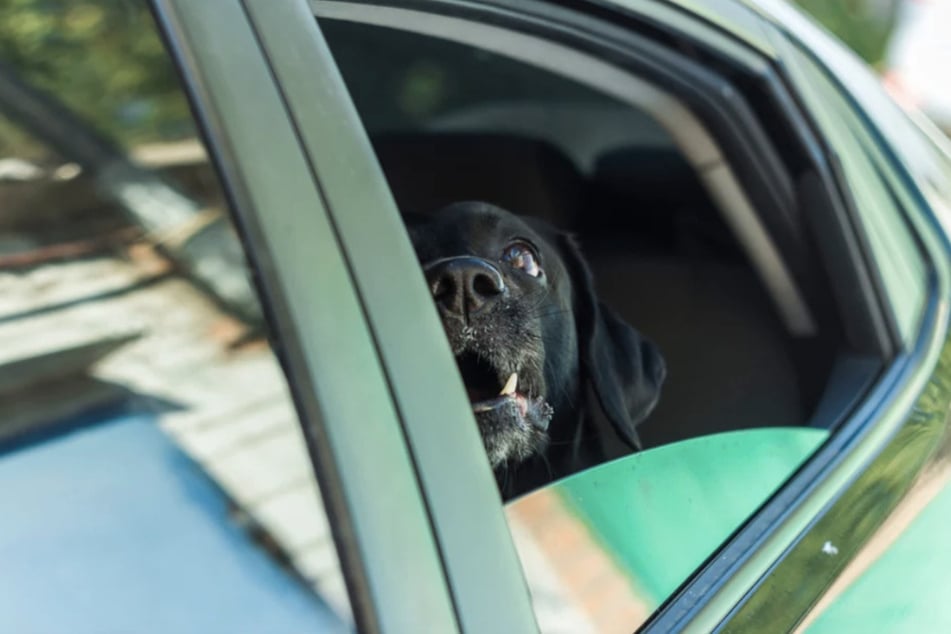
{"x":747,"y":548}
{"x":465,"y":573}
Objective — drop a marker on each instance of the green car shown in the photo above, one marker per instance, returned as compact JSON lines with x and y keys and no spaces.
{"x":226,"y":400}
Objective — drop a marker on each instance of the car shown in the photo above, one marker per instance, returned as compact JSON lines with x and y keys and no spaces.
{"x":227,"y":401}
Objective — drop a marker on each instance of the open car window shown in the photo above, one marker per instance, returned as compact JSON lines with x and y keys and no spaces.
{"x":456,"y":112}
{"x":597,"y":167}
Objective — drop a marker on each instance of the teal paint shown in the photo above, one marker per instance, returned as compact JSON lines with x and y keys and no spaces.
{"x":661,"y":513}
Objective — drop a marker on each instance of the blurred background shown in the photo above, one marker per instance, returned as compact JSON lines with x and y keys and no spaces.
{"x":907,"y":41}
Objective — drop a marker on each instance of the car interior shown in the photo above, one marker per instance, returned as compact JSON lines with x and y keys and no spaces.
{"x":674,"y":244}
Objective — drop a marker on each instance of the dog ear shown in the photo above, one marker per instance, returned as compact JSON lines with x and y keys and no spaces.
{"x":624,"y":369}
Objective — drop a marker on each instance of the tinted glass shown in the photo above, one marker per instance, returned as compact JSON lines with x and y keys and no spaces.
{"x":153,"y":475}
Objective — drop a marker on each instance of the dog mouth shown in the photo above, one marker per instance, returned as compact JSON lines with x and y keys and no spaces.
{"x":496,"y":398}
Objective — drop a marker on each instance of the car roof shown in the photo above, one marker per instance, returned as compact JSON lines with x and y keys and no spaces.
{"x":733,"y":17}
{"x":743,"y":20}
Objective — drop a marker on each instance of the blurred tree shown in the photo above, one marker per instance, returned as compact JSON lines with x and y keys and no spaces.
{"x":864,"y":25}
{"x":84,"y":53}
{"x":121,"y":85}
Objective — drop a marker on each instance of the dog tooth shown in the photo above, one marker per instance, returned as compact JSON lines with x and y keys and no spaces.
{"x":510,"y":385}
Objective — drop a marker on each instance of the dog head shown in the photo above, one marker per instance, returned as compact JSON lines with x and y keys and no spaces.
{"x":529,"y":335}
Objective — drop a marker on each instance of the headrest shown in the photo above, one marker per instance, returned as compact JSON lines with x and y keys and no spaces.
{"x":426,"y":171}
{"x":650,"y":175}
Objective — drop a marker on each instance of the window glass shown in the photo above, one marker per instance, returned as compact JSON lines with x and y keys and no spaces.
{"x":449,"y":121}
{"x":894,"y":249}
{"x":153,"y":474}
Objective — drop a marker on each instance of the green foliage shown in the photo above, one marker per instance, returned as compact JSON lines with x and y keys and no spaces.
{"x":103,"y":59}
{"x":864,"y":25}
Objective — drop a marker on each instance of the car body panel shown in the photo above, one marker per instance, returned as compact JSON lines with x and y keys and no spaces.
{"x":658,"y":514}
{"x":905,"y":586}
{"x":856,"y":443}
{"x":874,"y":424}
{"x":907,"y":165}
{"x":820,"y":555}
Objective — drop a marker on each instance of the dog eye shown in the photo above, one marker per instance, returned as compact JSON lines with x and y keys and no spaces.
{"x":522,"y":256}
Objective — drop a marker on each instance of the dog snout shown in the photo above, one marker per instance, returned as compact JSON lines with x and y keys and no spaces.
{"x":464,"y":285}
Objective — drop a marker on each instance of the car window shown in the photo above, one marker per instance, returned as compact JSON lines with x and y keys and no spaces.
{"x":456,"y":120}
{"x":897,"y":256}
{"x":153,"y":473}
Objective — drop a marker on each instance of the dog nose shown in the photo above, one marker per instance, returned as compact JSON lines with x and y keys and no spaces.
{"x":463,"y":285}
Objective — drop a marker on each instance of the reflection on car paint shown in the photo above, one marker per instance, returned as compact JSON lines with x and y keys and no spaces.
{"x":615,"y":541}
{"x":858,"y":515}
{"x":911,"y":546}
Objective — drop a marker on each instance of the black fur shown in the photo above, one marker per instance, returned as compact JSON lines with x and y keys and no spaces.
{"x":578,"y":364}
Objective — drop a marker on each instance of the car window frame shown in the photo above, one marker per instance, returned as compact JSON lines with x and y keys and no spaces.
{"x":648,"y":39}
{"x":732,"y":572}
{"x":853,"y":126}
{"x":767,"y":533}
{"x":832,"y":477}
{"x":220,"y":57}
{"x":919,"y":356}
{"x":479,"y":558}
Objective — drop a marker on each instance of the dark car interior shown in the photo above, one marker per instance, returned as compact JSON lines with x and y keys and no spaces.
{"x":451,"y":122}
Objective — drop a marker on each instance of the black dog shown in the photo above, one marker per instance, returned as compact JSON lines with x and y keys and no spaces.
{"x":544,"y":362}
